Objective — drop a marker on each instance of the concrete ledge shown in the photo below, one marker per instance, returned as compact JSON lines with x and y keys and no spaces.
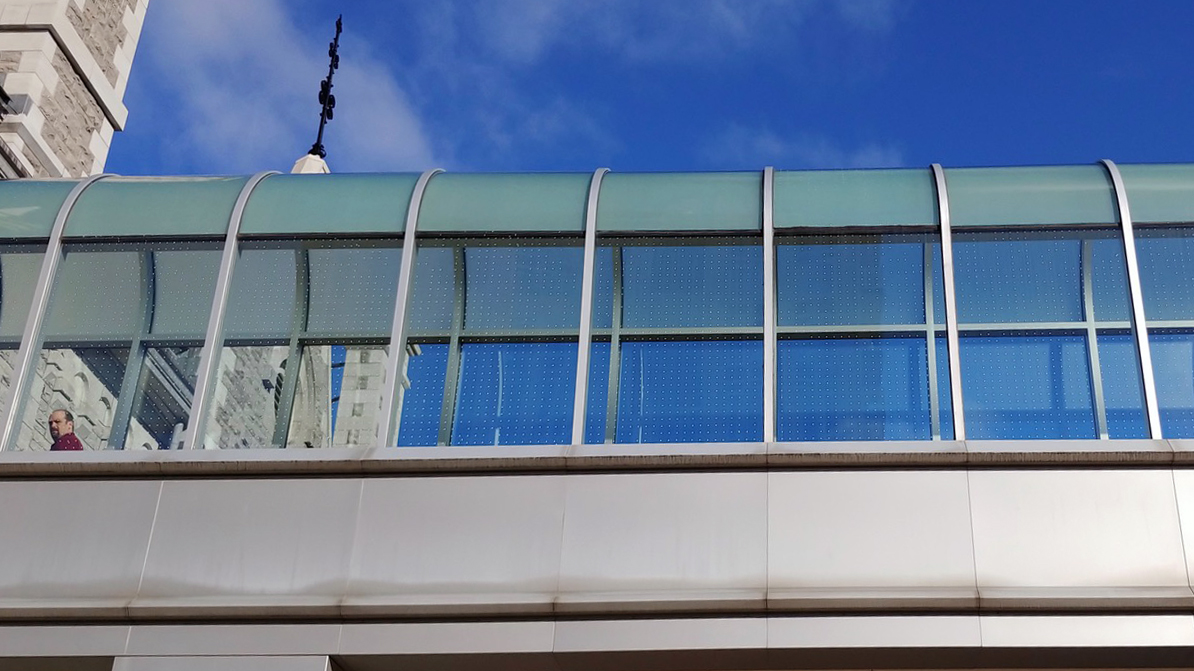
{"x":598,"y":458}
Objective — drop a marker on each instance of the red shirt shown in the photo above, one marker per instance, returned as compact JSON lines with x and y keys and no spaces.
{"x":66,"y":442}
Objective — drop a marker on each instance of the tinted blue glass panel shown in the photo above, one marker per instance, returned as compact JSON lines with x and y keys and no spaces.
{"x":522,"y":287}
{"x":422,"y":402}
{"x":1122,"y":394}
{"x":603,"y":288}
{"x":849,"y":280}
{"x":946,"y":416}
{"x":853,"y":389}
{"x":1026,"y":387}
{"x":690,"y":391}
{"x":1166,"y":257}
{"x":692,"y":286}
{"x":1110,"y":277}
{"x":598,"y":397}
{"x":938,"y":286}
{"x":1173,"y":364}
{"x":1017,"y":277}
{"x":515,"y":394}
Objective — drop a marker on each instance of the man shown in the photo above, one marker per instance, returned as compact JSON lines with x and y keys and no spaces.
{"x":62,"y":430}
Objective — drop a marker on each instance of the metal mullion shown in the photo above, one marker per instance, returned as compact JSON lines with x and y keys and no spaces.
{"x":1092,"y":340}
{"x":452,"y":374}
{"x":134,"y":365}
{"x":615,"y":355}
{"x":391,"y":410}
{"x":584,"y":337}
{"x":769,"y":304}
{"x":931,"y":345}
{"x":951,"y":303}
{"x":298,"y":324}
{"x":22,"y":369}
{"x":213,"y":340}
{"x":845,"y":328}
{"x":1139,"y":323}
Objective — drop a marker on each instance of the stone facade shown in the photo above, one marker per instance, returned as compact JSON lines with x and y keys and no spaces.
{"x":101,"y":24}
{"x":65,"y":64}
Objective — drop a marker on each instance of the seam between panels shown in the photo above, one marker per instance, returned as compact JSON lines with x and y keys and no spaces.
{"x":153,"y":525}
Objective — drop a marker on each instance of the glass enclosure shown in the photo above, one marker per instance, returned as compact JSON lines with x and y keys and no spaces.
{"x":678,"y":337}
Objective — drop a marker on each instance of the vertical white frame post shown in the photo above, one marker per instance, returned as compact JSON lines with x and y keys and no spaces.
{"x":388,"y":436}
{"x":1139,"y":325}
{"x":213,"y":342}
{"x":951,"y":303}
{"x":584,"y":344}
{"x":769,"y":323}
{"x":31,"y":337}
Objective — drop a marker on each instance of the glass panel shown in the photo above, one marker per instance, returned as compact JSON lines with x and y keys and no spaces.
{"x":1056,"y":195}
{"x":512,"y":202}
{"x":1159,"y":193}
{"x":1173,"y":362}
{"x":98,"y":294}
{"x":515,"y":394}
{"x":185,"y":284}
{"x":338,"y":397}
{"x":352,"y":290}
{"x":1122,"y":392}
{"x":165,"y":392}
{"x":853,"y":389}
{"x":692,"y":286}
{"x":1018,"y":277}
{"x":173,"y":206}
{"x":1166,"y":257}
{"x":1026,"y":387}
{"x":690,"y":391}
{"x":261,"y":303}
{"x":1110,"y":276}
{"x":420,"y":403}
{"x":329,"y":204}
{"x":509,"y":316}
{"x":19,"y":268}
{"x":247,"y":397}
{"x":81,"y":383}
{"x":434,"y":277}
{"x":944,"y":394}
{"x":851,"y":279}
{"x":832,"y":198}
{"x":713,"y":201}
{"x":29,"y":207}
{"x":520,"y":288}
{"x":597,"y":399}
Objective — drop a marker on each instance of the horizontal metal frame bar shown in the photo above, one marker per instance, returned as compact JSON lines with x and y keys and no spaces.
{"x":523,"y":241}
{"x":685,"y":240}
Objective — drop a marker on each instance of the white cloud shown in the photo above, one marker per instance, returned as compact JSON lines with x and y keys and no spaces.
{"x":742,"y":147}
{"x":236,"y":83}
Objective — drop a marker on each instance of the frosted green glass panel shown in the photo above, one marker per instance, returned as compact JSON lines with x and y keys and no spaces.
{"x":19,"y":269}
{"x":505,"y":202}
{"x":833,"y":198}
{"x":97,"y":295}
{"x":1159,"y":193}
{"x":155,"y":206}
{"x":1079,"y":194}
{"x":28,"y":208}
{"x":294,"y":204}
{"x":713,"y":201}
{"x":261,"y":302}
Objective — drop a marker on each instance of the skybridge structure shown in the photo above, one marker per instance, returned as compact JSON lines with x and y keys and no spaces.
{"x":925,"y":418}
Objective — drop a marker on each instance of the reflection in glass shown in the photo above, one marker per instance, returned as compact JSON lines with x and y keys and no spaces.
{"x":247,"y":396}
{"x":515,"y":393}
{"x":1027,"y":387}
{"x":690,"y":391}
{"x":338,"y":395}
{"x":420,"y":410}
{"x":853,"y":389}
{"x":165,"y":393}
{"x":84,"y":381}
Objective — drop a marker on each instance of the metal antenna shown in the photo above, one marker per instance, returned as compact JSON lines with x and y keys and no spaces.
{"x":326,"y":99}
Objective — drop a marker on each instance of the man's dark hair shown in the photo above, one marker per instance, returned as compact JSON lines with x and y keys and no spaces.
{"x":69,"y":417}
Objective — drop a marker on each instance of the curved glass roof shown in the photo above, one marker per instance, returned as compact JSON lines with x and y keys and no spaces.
{"x":1049,"y":195}
{"x":848,"y":198}
{"x":28,"y":207}
{"x":469,"y":204}
{"x":153,"y":206}
{"x":329,"y":204}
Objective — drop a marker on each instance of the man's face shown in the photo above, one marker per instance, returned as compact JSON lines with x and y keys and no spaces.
{"x":59,"y":424}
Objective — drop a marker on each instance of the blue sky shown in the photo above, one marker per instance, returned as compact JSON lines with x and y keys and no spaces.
{"x":228,"y":86}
